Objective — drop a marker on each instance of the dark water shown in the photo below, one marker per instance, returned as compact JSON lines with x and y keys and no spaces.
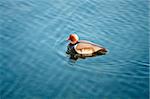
{"x":33,"y":62}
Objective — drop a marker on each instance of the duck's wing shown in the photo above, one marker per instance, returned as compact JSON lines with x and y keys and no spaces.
{"x":86,"y":47}
{"x":84,"y":41}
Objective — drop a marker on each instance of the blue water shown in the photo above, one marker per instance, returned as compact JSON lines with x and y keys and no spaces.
{"x":33,"y":62}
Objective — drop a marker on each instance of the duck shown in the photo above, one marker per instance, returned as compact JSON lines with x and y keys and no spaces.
{"x":84,"y":47}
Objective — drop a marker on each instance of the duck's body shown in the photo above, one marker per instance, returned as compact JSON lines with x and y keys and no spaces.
{"x":84,"y":47}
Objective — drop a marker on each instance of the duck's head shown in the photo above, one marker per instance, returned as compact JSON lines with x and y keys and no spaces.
{"x":73,"y":38}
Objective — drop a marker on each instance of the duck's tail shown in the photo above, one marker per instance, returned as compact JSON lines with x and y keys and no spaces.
{"x":102,"y":51}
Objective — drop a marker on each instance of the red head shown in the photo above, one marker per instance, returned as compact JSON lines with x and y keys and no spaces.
{"x":73,"y":38}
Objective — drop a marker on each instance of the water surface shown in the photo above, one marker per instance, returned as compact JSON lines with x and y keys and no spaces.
{"x":33,"y":62}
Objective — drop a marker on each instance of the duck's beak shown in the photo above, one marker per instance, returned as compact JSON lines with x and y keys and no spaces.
{"x":68,"y":39}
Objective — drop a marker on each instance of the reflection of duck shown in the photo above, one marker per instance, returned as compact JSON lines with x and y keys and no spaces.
{"x":83,"y":48}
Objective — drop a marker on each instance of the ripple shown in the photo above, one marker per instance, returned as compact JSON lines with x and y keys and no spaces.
{"x":33,"y":60}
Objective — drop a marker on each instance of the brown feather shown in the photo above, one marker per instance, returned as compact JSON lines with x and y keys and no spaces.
{"x":86,"y":47}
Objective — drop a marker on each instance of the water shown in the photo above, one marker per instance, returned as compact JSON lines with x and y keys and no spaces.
{"x":33,"y":62}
